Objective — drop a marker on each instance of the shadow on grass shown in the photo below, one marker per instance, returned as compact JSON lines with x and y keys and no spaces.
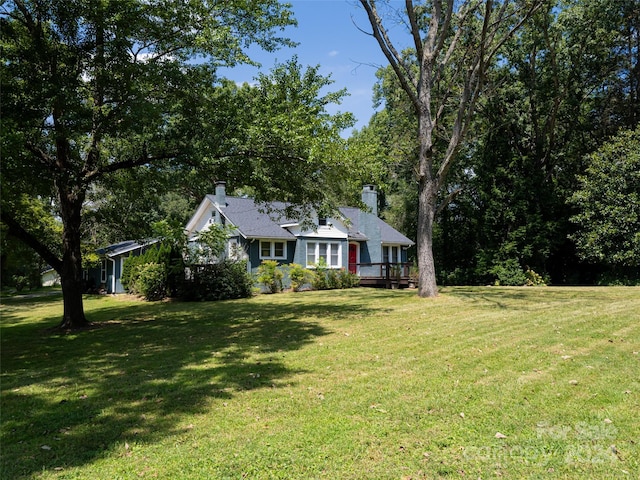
{"x":495,"y":296}
{"x":48,"y":297}
{"x":522,"y":298}
{"x":70,"y":399}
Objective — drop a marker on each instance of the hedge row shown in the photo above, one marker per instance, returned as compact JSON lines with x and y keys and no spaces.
{"x":272,"y":276}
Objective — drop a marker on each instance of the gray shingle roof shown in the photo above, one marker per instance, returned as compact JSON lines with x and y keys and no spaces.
{"x":388,"y":234}
{"x":260,"y":221}
{"x":252,"y":221}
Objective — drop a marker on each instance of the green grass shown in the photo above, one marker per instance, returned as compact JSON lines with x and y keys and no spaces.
{"x":350,"y":384}
{"x":11,"y":292}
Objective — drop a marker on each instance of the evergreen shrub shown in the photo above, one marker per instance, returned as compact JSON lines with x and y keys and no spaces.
{"x":151,"y":281}
{"x":509,"y":273}
{"x":226,"y":280}
{"x":270,"y":275}
{"x":300,"y":276}
{"x":172,"y":271}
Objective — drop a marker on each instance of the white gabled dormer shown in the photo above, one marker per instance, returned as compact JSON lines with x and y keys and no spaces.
{"x":208,"y":212}
{"x":200,"y":219}
{"x":326,"y":228}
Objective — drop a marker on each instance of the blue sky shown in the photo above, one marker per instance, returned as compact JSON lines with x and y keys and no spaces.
{"x":328,"y":37}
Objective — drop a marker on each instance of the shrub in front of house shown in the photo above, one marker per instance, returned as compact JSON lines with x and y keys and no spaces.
{"x":146,"y":279}
{"x":300,"y":276}
{"x":320,"y":279}
{"x":226,"y":280}
{"x":348,"y":279}
{"x":331,"y":279}
{"x":169,"y":271}
{"x":151,"y":281}
{"x":270,"y":275}
{"x":130,"y":272}
{"x":274,"y":277}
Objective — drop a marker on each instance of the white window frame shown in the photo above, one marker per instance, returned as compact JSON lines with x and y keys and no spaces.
{"x":103,"y":271}
{"x":388,"y":254}
{"x":328,"y":253}
{"x":272,"y":250}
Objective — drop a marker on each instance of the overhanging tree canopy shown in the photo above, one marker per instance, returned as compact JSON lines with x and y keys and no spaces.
{"x":93,"y":88}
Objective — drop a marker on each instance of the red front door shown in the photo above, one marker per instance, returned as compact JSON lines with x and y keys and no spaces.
{"x":353,"y":258}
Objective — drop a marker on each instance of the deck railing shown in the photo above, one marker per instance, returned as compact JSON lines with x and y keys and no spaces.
{"x":389,"y":274}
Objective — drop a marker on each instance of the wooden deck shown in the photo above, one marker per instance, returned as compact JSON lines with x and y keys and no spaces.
{"x":384,"y":275}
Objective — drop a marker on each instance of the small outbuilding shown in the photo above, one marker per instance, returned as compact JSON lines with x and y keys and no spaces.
{"x":107,"y":277}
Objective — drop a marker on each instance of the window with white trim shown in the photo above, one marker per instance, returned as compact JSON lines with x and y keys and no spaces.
{"x":103,"y":271}
{"x":328,"y":252}
{"x":391,"y":254}
{"x":273,"y":249}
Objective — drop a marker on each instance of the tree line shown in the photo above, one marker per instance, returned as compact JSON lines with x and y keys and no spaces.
{"x":546,"y":179}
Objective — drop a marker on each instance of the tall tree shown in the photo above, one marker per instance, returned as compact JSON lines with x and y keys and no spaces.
{"x":91,"y":89}
{"x":454,"y":43}
{"x":608,"y":204}
{"x":283,"y":143}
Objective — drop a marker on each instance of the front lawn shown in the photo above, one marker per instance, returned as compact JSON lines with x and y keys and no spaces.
{"x":351,"y":384}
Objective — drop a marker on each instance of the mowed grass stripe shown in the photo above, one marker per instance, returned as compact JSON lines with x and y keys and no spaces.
{"x":340,"y":384}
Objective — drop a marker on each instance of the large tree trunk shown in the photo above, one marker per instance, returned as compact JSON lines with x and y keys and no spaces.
{"x":72,"y":289}
{"x":427,"y":196}
{"x":71,"y":200}
{"x":70,"y":267}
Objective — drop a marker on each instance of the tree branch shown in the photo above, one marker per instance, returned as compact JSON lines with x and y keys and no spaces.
{"x":405,"y":76}
{"x":143,"y":159}
{"x":44,"y":158}
{"x":445,"y":29}
{"x":532,"y":9}
{"x":414,"y":28}
{"x":447,"y":200}
{"x":488,"y":47}
{"x":16,"y":230}
{"x":28,"y":18}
